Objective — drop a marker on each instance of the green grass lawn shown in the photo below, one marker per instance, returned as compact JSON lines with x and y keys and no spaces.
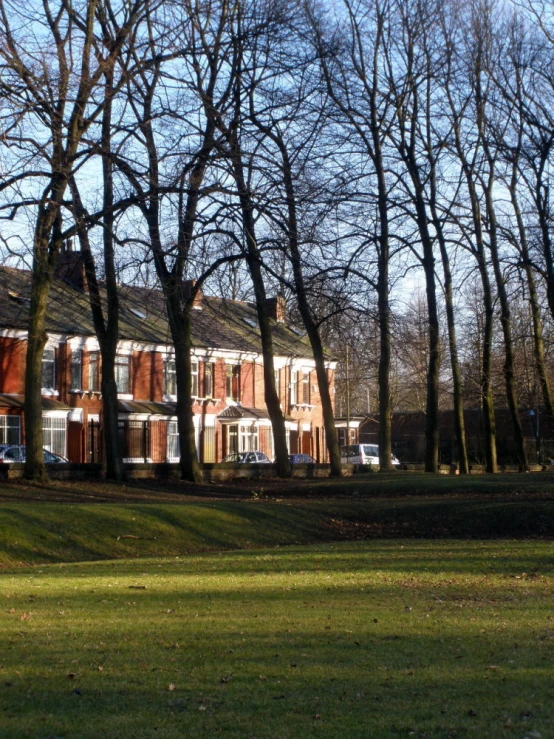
{"x":370,"y":639}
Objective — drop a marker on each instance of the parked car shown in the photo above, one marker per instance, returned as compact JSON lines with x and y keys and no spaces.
{"x":364,"y":454}
{"x":301,"y":459}
{"x":16,"y":453}
{"x":247,"y":458}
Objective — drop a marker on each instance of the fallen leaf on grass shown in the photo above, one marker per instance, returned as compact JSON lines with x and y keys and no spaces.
{"x":171,"y":687}
{"x":227,"y":678}
{"x":25,"y":616}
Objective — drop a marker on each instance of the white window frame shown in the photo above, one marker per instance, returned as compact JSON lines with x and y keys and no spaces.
{"x":7,"y":424}
{"x":170,"y":371}
{"x":51,"y":388}
{"x":294,"y":387}
{"x":120,"y":363}
{"x":209,"y":392}
{"x":76,"y":361}
{"x":305,"y":387}
{"x":249,"y":437}
{"x":55,"y":425}
{"x":194,"y":388}
{"x":94,"y":372}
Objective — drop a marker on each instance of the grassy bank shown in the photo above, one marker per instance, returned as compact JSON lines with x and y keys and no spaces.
{"x":380,"y":639}
{"x":37,"y":533}
{"x":370,"y":485}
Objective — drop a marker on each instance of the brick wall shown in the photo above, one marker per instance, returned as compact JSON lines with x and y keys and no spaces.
{"x":12,"y":365}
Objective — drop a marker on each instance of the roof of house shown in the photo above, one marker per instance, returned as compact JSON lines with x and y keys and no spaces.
{"x":18,"y":401}
{"x":218,"y":324}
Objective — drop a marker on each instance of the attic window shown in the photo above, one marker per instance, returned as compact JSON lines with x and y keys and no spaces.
{"x":297,"y":331}
{"x":138,"y":313}
{"x":18,"y":297}
{"x":250,"y":321}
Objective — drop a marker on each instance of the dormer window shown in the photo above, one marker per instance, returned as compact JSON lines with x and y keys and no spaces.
{"x":49,"y":369}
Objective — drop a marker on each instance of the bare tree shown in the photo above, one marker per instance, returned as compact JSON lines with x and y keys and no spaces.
{"x":49,"y":68}
{"x":351,"y":60}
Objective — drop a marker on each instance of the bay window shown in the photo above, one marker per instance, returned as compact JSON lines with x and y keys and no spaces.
{"x":10,"y":429}
{"x":53,"y":434}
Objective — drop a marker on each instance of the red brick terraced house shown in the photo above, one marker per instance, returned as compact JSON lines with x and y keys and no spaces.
{"x":228,"y":389}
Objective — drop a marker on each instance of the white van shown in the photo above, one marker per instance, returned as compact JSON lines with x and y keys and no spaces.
{"x":363,"y":454}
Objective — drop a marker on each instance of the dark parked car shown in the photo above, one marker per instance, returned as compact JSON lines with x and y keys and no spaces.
{"x":248,"y":458}
{"x":16,"y":453}
{"x":301,"y":459}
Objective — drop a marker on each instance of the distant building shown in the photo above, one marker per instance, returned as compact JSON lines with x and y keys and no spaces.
{"x":408,"y":435}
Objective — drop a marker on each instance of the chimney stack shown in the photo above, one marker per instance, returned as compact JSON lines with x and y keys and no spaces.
{"x":70,"y":267}
{"x":186,"y":291}
{"x":277,"y":308}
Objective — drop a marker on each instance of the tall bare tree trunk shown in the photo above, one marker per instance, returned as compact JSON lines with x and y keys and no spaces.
{"x":254,"y":263}
{"x":538,"y":340}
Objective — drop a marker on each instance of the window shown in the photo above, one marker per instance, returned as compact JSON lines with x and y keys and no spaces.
{"x":232,"y":381}
{"x":306,"y":387}
{"x":293,"y":387}
{"x":9,"y":429}
{"x":76,"y":370}
{"x":170,"y":378}
{"x":248,"y":438}
{"x":173,"y":454}
{"x":242,"y":438}
{"x":94,"y":372}
{"x":122,"y":374}
{"x":53,"y":434}
{"x":209,"y":380}
{"x":278,"y":383}
{"x":194,"y":379}
{"x":48,"y":369}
